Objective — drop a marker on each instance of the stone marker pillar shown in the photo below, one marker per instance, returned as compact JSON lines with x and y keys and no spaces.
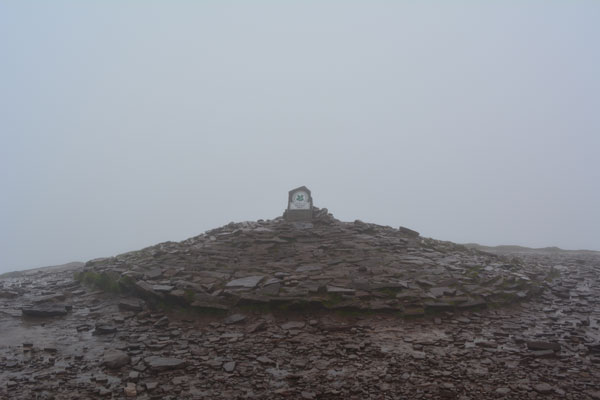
{"x":300,"y":205}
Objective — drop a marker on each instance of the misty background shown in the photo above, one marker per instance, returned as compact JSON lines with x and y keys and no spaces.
{"x":125,"y":124}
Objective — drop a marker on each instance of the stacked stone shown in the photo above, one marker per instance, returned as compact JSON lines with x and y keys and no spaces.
{"x":323,"y":263}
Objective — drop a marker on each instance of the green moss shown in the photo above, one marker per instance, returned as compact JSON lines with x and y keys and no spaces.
{"x":473,"y":272}
{"x":308,"y":306}
{"x":389,"y":292}
{"x":413,"y":312}
{"x":103,"y":281}
{"x":504,"y":298}
{"x":189,"y":295}
{"x":332,"y":299}
{"x":260,"y":308}
{"x":552,"y":274}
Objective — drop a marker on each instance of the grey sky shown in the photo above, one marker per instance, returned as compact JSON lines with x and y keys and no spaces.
{"x":124,"y":124}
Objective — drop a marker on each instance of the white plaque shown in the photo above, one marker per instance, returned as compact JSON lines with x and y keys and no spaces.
{"x":300,"y":201}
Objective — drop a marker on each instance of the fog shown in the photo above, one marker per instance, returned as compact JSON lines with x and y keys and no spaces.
{"x":125,"y":124}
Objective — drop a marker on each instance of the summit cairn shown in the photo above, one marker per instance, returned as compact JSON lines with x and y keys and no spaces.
{"x":308,"y":259}
{"x":300,"y":205}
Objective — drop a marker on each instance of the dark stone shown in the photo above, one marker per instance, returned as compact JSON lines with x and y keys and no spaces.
{"x":209,"y":306}
{"x":539,"y":345}
{"x":438,"y":306}
{"x":164,"y":363}
{"x":234,"y":319}
{"x":45,"y":310}
{"x":104,"y":329}
{"x":49,"y":298}
{"x":408,"y":232}
{"x":256,"y":326}
{"x":472,"y":303}
{"x":543,"y":354}
{"x":146,"y":290}
{"x":162,"y":322}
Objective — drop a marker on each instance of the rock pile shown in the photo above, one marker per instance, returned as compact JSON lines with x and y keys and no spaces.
{"x":327,"y":264}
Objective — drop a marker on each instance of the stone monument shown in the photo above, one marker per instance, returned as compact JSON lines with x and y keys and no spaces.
{"x":300,"y":205}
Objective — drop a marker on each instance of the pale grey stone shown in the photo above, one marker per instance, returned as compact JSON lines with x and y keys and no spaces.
{"x":164,"y":363}
{"x":293,"y":325}
{"x":249,"y":282}
{"x":234,"y":319}
{"x":229,"y":366}
{"x":339,"y":290}
{"x":115,"y":359}
{"x":309,"y":268}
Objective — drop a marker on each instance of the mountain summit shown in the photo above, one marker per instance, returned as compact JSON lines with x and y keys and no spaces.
{"x":319,"y":262}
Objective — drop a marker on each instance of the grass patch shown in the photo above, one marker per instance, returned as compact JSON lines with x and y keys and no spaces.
{"x":473,"y":272}
{"x":332,"y":299}
{"x":101,"y":280}
{"x":389,"y":291}
{"x":552,"y":274}
{"x":189,"y":295}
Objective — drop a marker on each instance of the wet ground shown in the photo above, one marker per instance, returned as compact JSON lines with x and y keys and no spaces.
{"x":107,"y":347}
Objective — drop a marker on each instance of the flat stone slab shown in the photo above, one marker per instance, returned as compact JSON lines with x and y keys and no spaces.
{"x":162,"y":288}
{"x":271,"y":281}
{"x":207,"y":305}
{"x":293,"y":325}
{"x":52,"y":310}
{"x":339,"y":290}
{"x":308,"y":268}
{"x":441,"y":291}
{"x":439,"y":306}
{"x":539,"y":345}
{"x":6,"y":294}
{"x":146,"y":289}
{"x":164,"y":363}
{"x":270,"y":290}
{"x":12,"y":313}
{"x":105,"y":329}
{"x":472,"y":303}
{"x":131,"y":305}
{"x":234,"y":319}
{"x":248,"y":282}
{"x":48,"y":298}
{"x":115,"y":359}
{"x":154,"y":273}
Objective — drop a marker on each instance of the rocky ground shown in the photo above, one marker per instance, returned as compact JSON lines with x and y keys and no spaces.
{"x":326,"y":310}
